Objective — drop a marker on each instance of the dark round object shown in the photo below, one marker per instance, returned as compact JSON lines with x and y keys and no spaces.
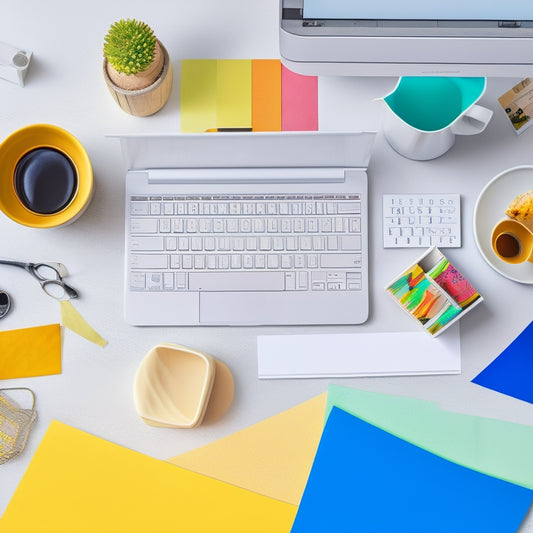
{"x":45,"y":180}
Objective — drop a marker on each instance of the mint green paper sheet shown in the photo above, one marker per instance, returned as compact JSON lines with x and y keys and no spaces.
{"x":494,"y":447}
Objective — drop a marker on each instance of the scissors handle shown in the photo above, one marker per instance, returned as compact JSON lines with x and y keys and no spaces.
{"x":48,"y":287}
{"x":14,"y":263}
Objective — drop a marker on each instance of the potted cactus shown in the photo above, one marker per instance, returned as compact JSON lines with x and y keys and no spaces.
{"x":137,"y":68}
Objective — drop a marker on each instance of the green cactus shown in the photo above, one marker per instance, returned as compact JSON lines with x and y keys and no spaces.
{"x":129,"y":46}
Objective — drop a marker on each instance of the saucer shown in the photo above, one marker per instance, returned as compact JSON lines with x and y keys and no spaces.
{"x":490,"y":208}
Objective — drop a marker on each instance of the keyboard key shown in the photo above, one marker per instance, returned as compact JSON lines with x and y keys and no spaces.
{"x":147,"y":244}
{"x":143,"y":225}
{"x":139,"y":208}
{"x":290,"y":281}
{"x":349,"y":208}
{"x":171,"y":243}
{"x":168,"y":281}
{"x":340,"y":260}
{"x":236,"y":281}
{"x":147,"y":261}
{"x":154,"y":281}
{"x":164,"y":225}
{"x":303,"y":283}
{"x":137,"y":281}
{"x":180,"y":279}
{"x":350,"y":242}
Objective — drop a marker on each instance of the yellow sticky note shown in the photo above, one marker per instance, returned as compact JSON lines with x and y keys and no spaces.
{"x":273,"y":457}
{"x":72,"y":320}
{"x":198,"y":105}
{"x":234,"y":93}
{"x":30,"y":352}
{"x":78,"y":482}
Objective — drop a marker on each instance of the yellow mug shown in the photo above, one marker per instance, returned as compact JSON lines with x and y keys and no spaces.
{"x":512,"y":241}
{"x":15,"y":150}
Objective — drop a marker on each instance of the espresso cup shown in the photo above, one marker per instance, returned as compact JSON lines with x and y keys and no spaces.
{"x":512,"y":241}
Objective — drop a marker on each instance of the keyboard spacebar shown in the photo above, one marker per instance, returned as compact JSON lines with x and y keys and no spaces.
{"x":236,"y":281}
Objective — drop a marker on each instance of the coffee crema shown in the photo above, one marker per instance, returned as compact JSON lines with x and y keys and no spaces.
{"x":46,"y":180}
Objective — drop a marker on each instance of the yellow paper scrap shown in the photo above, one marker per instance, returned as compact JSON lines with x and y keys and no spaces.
{"x":78,"y":482}
{"x":198,"y":106}
{"x":234,"y":93}
{"x":30,"y":352}
{"x":72,"y":320}
{"x":272,"y":457}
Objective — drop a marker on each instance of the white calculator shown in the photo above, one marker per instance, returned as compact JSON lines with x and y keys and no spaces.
{"x":421,"y":220}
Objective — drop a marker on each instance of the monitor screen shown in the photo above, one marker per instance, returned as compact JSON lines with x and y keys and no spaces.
{"x":416,"y":10}
{"x":407,"y":37}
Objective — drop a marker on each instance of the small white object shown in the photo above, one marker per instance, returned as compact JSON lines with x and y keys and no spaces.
{"x":421,"y":220}
{"x":13,"y":63}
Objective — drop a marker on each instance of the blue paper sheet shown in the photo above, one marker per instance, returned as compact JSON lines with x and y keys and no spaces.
{"x":366,"y":480}
{"x":511,"y":372}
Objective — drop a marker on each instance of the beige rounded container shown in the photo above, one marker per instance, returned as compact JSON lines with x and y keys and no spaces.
{"x":178,"y":387}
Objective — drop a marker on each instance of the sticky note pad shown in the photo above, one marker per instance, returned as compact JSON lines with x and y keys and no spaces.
{"x":495,"y":447}
{"x":511,"y":372}
{"x":299,"y":101}
{"x":365,"y":479}
{"x":78,"y":482}
{"x":266,"y":95}
{"x":30,"y":352}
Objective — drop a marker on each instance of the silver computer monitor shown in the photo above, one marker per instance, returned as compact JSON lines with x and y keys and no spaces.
{"x":407,"y":37}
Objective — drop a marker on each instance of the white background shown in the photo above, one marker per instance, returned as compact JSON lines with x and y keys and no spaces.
{"x":65,"y":87}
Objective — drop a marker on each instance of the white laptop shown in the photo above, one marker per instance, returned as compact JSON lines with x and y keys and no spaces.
{"x":246,"y":228}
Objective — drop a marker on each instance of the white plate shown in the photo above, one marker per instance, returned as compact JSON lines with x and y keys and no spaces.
{"x":490,"y":209}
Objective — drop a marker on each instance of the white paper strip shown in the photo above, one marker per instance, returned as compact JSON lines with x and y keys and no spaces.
{"x":358,"y":354}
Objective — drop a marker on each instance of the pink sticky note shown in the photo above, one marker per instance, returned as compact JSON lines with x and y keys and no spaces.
{"x":299,"y":101}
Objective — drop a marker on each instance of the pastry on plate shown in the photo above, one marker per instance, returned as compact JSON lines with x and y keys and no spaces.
{"x":521,"y":209}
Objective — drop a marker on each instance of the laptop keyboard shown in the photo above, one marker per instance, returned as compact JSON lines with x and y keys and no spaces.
{"x":246,"y":243}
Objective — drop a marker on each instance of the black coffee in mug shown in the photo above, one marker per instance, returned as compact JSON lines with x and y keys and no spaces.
{"x":45,"y":180}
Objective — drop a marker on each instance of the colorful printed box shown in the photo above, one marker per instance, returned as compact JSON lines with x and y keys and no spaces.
{"x":434,"y":292}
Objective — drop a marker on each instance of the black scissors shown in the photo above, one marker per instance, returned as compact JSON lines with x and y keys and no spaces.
{"x":49,"y":276}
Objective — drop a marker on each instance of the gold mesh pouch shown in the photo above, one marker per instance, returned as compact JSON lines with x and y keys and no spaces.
{"x":15,"y":424}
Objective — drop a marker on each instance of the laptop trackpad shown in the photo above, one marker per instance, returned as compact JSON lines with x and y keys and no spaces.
{"x":244,"y":308}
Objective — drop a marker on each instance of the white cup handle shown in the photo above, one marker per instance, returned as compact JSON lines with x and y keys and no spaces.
{"x":473,"y":120}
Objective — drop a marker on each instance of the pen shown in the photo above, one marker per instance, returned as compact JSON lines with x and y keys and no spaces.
{"x":227,"y":129}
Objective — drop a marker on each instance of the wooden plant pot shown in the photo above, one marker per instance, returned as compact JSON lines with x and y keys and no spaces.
{"x":146,"y":101}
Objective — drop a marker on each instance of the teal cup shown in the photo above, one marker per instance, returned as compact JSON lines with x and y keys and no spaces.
{"x":424,"y":114}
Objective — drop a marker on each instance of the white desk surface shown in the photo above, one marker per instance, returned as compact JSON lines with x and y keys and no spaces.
{"x":65,"y":87}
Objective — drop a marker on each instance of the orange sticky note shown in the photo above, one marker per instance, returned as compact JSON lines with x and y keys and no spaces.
{"x":266,"y":95}
{"x":78,"y":482}
{"x":30,"y":352}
